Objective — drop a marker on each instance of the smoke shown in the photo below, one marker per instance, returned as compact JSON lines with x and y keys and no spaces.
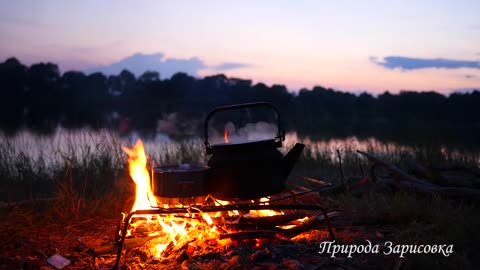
{"x":250,"y":132}
{"x":174,"y":124}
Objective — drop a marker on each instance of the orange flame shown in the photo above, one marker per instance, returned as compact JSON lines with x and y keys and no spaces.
{"x":264,"y":213}
{"x":225,"y":135}
{"x":137,"y":166}
{"x":173,"y":228}
{"x":144,"y":199}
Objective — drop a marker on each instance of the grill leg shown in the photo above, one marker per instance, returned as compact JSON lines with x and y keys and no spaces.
{"x":126,"y":222}
{"x":327,"y":220}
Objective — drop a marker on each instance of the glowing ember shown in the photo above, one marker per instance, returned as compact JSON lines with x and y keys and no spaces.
{"x":225,"y":135}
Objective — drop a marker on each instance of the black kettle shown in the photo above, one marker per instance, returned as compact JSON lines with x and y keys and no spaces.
{"x":249,"y":170}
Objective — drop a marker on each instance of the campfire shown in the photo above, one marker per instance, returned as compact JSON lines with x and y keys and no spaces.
{"x":183,"y":210}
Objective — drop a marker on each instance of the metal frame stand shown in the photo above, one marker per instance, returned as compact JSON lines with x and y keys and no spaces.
{"x":210,"y":209}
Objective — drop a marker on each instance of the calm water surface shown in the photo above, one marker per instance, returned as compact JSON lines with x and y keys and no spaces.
{"x":162,"y":149}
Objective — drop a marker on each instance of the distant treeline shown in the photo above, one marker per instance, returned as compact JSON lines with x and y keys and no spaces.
{"x":41,"y":98}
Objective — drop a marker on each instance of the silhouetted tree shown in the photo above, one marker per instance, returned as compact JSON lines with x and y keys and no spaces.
{"x":13,"y":87}
{"x":38,"y":97}
{"x":43,"y":108}
{"x":149,"y":76}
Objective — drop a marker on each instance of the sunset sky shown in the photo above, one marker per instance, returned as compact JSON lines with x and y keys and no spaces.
{"x":347,"y":45}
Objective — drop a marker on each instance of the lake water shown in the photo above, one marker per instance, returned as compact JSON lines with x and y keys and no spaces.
{"x":82,"y":144}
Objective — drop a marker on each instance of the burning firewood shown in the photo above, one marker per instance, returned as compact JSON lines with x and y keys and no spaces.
{"x":248,"y":235}
{"x":272,"y":220}
{"x":264,"y":223}
{"x":310,"y":224}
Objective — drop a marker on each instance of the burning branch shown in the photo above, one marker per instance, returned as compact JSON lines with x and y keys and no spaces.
{"x":249,"y":235}
{"x":309,"y":224}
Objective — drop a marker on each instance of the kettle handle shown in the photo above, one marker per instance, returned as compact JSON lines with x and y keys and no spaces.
{"x":280,"y":131}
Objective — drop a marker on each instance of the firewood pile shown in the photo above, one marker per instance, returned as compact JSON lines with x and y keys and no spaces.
{"x":452,"y":182}
{"x":238,"y":241}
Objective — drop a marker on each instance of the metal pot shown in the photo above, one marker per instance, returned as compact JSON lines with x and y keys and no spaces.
{"x":175,"y":184}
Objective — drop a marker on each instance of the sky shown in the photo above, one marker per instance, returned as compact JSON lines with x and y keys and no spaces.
{"x":355,"y":46}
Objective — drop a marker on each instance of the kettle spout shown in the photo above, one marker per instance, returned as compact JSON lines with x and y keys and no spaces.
{"x":291,"y":158}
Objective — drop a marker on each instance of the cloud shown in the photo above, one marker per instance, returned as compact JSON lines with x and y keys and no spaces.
{"x":409,"y":63}
{"x":231,"y":65}
{"x":139,"y":63}
{"x":469,"y":76}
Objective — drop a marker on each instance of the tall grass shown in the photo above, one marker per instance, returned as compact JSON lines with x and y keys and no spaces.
{"x":95,"y":159}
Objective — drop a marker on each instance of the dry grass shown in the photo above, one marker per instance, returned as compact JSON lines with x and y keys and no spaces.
{"x":409,"y":218}
{"x":86,"y":181}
